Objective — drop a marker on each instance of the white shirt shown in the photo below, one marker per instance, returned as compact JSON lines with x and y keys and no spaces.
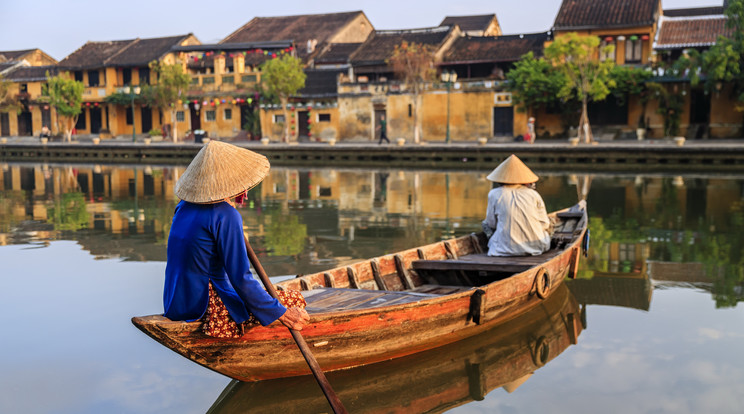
{"x":521,"y":222}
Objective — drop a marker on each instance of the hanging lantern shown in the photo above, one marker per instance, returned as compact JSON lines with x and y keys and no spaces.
{"x":46,"y":107}
{"x":180,"y":102}
{"x":95,"y":104}
{"x":87,"y":104}
{"x":633,"y":38}
{"x":644,"y":37}
{"x":223,"y":101}
{"x":608,"y":39}
{"x":233,"y":101}
{"x":250,"y":100}
{"x":205,"y":103}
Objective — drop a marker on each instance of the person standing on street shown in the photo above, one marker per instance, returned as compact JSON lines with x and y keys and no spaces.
{"x":382,"y":126}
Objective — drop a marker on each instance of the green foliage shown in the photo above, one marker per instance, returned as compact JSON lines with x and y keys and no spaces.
{"x":8,"y":101}
{"x":285,"y":235}
{"x":670,"y":107}
{"x":283,"y":76}
{"x":65,"y":95}
{"x":69,"y":212}
{"x":172,"y":83}
{"x":630,"y":81}
{"x":124,"y":99}
{"x":586,"y":78}
{"x":535,"y":83}
{"x":155,"y":132}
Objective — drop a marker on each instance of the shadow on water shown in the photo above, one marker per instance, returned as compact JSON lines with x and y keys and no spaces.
{"x":433,"y":381}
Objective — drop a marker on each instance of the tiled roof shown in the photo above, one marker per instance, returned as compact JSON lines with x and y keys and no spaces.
{"x":690,"y":32}
{"x":696,"y":11}
{"x":300,"y":29}
{"x":14,"y":54}
{"x":31,"y":73}
{"x":93,"y":54}
{"x":337,"y":53}
{"x":320,"y":84}
{"x":469,"y":23}
{"x":472,"y":49}
{"x":133,"y":52}
{"x":380,"y":44}
{"x":142,"y":51}
{"x":580,"y":14}
{"x":6,"y":65}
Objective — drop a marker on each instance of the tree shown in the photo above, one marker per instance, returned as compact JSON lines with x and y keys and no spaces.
{"x":587,"y":78}
{"x":414,"y":65}
{"x":172,"y":83}
{"x":8,"y":100}
{"x":535,"y":83}
{"x":724,"y":61}
{"x":66,"y":95}
{"x":631,"y":81}
{"x":283,"y":77}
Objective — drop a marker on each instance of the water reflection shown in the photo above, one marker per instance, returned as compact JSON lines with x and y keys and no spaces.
{"x":308,"y":220}
{"x":433,"y":381}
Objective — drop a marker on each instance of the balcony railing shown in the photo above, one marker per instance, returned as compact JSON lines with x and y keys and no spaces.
{"x":224,"y":82}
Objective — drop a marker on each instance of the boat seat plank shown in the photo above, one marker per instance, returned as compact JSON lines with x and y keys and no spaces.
{"x":483,"y":262}
{"x":325,"y":300}
{"x":441,"y":289}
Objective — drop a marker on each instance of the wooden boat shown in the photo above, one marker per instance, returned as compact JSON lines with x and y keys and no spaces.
{"x":432,"y":381}
{"x":389,"y":306}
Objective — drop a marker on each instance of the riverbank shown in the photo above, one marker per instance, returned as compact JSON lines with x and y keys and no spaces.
{"x":626,"y":155}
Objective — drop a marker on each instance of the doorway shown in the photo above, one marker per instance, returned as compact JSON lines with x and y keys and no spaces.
{"x":146,"y":119}
{"x":4,"y":124}
{"x":250,"y":121}
{"x":95,"y":120}
{"x":194,"y":114}
{"x":503,"y":121}
{"x":46,"y":117}
{"x":25,"y":128}
{"x":303,"y":130}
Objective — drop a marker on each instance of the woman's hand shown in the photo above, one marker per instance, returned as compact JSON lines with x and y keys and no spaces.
{"x":295,"y":318}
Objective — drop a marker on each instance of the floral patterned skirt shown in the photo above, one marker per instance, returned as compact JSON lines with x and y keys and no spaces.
{"x":218,"y":323}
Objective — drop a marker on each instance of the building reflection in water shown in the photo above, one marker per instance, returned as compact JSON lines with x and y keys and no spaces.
{"x":308,"y":220}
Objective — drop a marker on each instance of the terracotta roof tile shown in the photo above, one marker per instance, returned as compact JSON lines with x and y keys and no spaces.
{"x":337,"y":53}
{"x":299,"y":29}
{"x":469,"y":23}
{"x":696,"y":11}
{"x":577,"y":14}
{"x":472,"y":49}
{"x":692,"y":32}
{"x":31,"y":73}
{"x":133,"y":52}
{"x":380,"y":45}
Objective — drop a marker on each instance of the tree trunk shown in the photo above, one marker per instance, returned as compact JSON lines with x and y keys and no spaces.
{"x":585,"y":130}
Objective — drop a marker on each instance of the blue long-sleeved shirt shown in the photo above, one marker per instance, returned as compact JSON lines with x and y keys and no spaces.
{"x":206,"y":244}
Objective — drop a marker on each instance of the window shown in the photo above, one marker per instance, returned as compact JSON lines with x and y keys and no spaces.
{"x":248,"y":78}
{"x":228,"y":114}
{"x":606,"y":56}
{"x":410,"y":110}
{"x":126,"y":76}
{"x":633,"y":47}
{"x":79,"y":75}
{"x":208,"y":80}
{"x":93,"y":79}
{"x":228,"y":79}
{"x":24,"y":88}
{"x":324,"y":117}
{"x":180,"y":116}
{"x":144,"y":75}
{"x":278,"y":119}
{"x":211,"y":115}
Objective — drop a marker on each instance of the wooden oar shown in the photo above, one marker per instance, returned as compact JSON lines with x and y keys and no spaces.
{"x":331,"y":396}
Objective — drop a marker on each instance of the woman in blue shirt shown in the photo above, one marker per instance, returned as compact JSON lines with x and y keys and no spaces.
{"x":206,"y":248}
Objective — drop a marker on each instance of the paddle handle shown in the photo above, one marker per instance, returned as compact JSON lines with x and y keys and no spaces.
{"x":330,"y":395}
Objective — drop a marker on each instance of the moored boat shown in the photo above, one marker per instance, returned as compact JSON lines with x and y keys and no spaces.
{"x":389,"y":306}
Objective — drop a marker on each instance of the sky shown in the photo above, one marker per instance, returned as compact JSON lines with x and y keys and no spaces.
{"x":61,"y":27}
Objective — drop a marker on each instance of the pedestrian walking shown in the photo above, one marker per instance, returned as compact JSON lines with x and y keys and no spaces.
{"x":382,"y":126}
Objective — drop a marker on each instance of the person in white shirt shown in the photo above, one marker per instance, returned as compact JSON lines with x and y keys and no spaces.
{"x":516,"y":214}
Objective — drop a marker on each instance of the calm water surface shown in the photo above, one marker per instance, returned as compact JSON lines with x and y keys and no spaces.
{"x":661,"y":329}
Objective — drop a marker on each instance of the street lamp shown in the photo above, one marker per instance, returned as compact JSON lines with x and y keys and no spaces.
{"x":133,"y":91}
{"x":448,"y":77}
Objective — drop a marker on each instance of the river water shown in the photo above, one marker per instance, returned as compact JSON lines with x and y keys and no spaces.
{"x":661,"y":329}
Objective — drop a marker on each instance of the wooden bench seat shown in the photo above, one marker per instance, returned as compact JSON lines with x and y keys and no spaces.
{"x":325,"y":299}
{"x":483,"y":262}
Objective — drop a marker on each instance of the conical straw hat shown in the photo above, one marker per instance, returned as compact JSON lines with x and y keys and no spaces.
{"x":219,"y":171}
{"x":512,"y":171}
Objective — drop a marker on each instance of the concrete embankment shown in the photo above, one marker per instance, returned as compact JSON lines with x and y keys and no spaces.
{"x":649,"y":155}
